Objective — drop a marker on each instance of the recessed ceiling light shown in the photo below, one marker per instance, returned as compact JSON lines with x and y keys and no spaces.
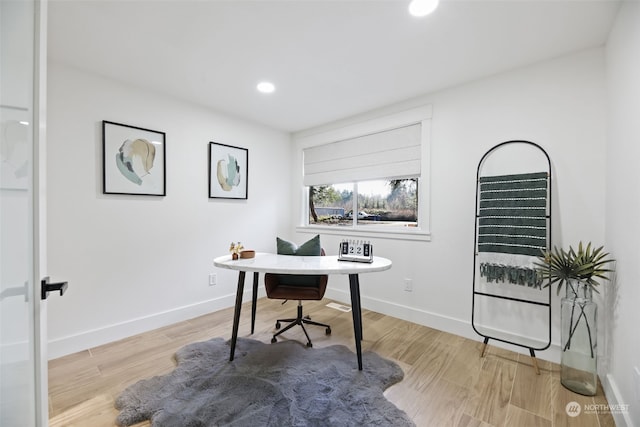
{"x":266,"y":87}
{"x":422,"y":7}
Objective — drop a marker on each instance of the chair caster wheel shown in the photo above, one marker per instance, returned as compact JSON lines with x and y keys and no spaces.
{"x":307,"y":317}
{"x":309,"y":344}
{"x":277,"y":325}
{"x":273,"y":340}
{"x":328,"y":331}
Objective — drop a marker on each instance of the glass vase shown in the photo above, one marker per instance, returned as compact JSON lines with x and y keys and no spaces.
{"x":579,"y":332}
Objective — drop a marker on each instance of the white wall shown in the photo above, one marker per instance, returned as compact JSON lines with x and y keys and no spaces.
{"x":560,"y":105}
{"x":136,"y":263}
{"x":623,"y":209}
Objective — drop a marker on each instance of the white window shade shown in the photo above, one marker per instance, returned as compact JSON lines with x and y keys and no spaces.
{"x":394,"y":153}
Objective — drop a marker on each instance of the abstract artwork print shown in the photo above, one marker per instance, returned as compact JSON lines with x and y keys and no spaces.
{"x":228,"y":171}
{"x":133,"y":160}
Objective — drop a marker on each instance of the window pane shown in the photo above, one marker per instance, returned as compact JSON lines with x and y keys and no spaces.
{"x":389,"y":203}
{"x":330,"y":204}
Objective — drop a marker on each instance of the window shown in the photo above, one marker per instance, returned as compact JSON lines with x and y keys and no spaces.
{"x":377,"y":203}
{"x":370,"y":177}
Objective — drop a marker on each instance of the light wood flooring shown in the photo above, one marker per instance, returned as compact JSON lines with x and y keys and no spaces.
{"x":446,"y":382}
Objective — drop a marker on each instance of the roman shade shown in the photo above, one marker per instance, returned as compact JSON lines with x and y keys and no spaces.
{"x":394,"y":153}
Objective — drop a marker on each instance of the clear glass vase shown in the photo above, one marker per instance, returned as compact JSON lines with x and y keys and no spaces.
{"x":579,"y":332}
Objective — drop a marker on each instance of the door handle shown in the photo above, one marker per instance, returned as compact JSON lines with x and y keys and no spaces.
{"x":47,"y":287}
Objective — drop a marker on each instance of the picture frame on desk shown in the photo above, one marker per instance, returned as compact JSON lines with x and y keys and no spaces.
{"x":133,"y":160}
{"x":228,"y":171}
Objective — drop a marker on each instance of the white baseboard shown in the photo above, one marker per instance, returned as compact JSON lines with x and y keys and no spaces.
{"x":615,"y":400}
{"x":95,"y":337}
{"x":437,"y":321}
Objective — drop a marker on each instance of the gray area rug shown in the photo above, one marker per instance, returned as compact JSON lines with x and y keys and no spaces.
{"x":281,"y":384}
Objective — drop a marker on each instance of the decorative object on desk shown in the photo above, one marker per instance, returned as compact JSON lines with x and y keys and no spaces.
{"x":248,"y":253}
{"x":355,"y":250}
{"x":579,"y":271}
{"x":265,"y":385}
{"x":235,"y":249}
{"x":228,"y":171}
{"x":133,"y":160}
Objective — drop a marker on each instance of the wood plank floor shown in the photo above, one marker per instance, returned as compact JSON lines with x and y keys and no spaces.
{"x":446,"y":382}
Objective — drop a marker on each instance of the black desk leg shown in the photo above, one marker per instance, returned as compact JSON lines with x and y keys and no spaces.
{"x":356,"y":303}
{"x":359,"y":306}
{"x":254,"y":301}
{"x":354,"y":286}
{"x":236,"y":313}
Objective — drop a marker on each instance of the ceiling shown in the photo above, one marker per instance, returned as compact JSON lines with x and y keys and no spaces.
{"x":329,"y":59}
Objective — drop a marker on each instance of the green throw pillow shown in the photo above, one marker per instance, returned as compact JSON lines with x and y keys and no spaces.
{"x":309,"y":248}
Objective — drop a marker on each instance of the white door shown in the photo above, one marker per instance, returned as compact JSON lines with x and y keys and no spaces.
{"x":23,"y":372}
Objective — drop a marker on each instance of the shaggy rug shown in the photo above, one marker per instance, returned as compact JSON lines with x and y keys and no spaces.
{"x":281,"y":384}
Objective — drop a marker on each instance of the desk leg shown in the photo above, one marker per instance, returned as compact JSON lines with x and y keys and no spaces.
{"x":254,"y":301}
{"x":359,"y":306}
{"x":236,"y":313}
{"x":354,"y":286}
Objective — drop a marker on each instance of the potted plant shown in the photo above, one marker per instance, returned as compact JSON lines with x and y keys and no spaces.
{"x":580,"y":271}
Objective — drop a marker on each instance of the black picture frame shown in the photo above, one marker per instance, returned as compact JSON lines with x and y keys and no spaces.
{"x":228,"y":171}
{"x":133,"y":160}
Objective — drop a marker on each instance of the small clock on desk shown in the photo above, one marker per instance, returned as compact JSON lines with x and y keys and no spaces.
{"x":355,"y":250}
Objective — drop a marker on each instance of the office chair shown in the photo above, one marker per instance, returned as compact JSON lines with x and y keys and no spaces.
{"x":296,"y":287}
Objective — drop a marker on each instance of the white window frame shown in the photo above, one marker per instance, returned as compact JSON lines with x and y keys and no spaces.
{"x":420,"y":115}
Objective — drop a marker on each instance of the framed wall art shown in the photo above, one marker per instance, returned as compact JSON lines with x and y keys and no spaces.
{"x":228,"y":171}
{"x":134,"y":160}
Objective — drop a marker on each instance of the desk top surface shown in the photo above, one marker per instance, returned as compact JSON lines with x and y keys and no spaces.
{"x":292,"y":264}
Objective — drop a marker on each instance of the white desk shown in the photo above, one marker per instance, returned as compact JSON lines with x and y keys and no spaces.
{"x":288,"y":264}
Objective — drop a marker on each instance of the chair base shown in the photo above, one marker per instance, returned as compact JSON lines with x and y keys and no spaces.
{"x":300,"y":320}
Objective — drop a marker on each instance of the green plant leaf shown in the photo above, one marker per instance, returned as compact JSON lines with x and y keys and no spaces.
{"x":586,"y":264}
